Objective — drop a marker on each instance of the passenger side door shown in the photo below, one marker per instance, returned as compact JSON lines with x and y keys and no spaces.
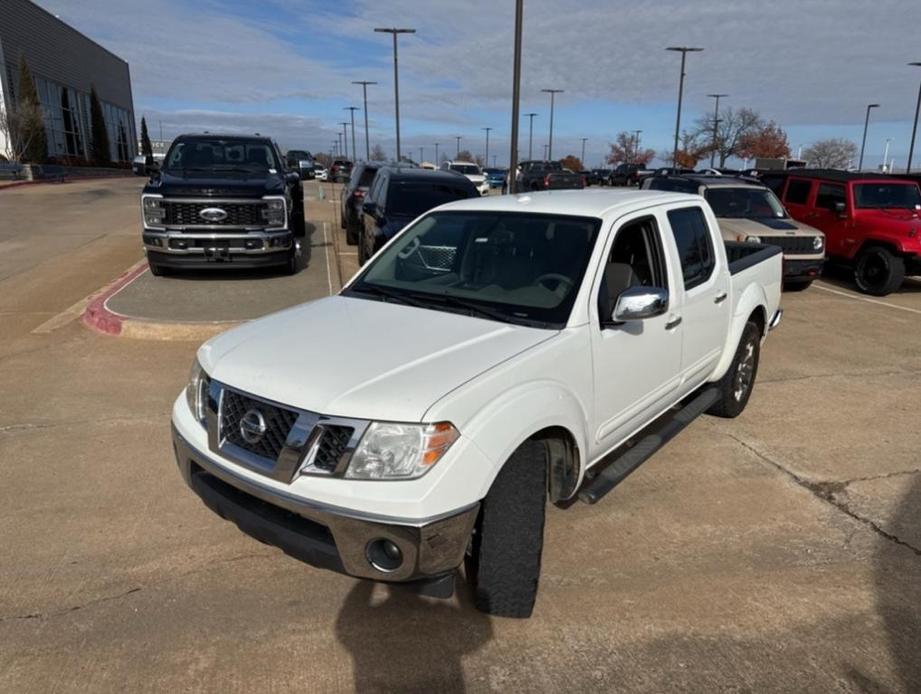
{"x":703,"y":292}
{"x":797,"y":198}
{"x":636,"y":363}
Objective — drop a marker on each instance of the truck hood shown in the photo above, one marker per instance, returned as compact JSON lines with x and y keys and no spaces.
{"x":236,"y":185}
{"x":766,"y":227}
{"x":476,"y":179}
{"x":362,"y":358}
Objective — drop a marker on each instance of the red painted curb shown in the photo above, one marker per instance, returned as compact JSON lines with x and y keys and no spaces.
{"x":16,"y":184}
{"x":66,"y":179}
{"x":99,"y":318}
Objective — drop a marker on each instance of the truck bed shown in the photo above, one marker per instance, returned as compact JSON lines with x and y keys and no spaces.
{"x":742,"y":255}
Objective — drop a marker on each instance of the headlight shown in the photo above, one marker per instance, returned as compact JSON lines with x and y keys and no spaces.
{"x":274,"y":212}
{"x":152,"y":207}
{"x":400,"y":451}
{"x":753,"y":239}
{"x":818,"y":243}
{"x":195,"y":391}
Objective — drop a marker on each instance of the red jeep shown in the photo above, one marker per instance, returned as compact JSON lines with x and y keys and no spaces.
{"x":872,"y":222}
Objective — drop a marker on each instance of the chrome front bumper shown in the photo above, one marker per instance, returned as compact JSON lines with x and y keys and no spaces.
{"x":324,"y":536}
{"x":206,"y":244}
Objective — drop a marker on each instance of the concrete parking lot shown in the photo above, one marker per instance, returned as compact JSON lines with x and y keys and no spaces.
{"x":780,"y":551}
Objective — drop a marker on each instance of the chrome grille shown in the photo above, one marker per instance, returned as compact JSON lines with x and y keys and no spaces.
{"x":278,"y":422}
{"x":331,"y":445}
{"x":792,"y":245}
{"x":239,"y":214}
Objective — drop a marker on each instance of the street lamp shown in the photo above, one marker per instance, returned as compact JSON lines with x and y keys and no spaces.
{"x":421,"y":153}
{"x":396,"y":80}
{"x":636,"y":145}
{"x":552,"y":93}
{"x":458,"y":138}
{"x":863,"y":144}
{"x":914,"y":128}
{"x":716,"y":122}
{"x":352,"y":109}
{"x":516,"y":99}
{"x":436,"y":153}
{"x":545,"y":152}
{"x":345,"y":137}
{"x":684,"y":50}
{"x":530,"y":133}
{"x":338,"y":144}
{"x":364,"y":93}
{"x":486,"y":158}
{"x":584,"y":140}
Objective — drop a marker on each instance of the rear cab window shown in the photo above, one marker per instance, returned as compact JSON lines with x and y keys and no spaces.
{"x":694,"y":243}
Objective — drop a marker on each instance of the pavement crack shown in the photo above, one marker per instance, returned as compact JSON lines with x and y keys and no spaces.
{"x":68,"y":610}
{"x":888,"y":475}
{"x":829,"y":493}
{"x":29,"y":426}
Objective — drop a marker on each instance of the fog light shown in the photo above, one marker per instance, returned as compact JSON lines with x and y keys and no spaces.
{"x":384,"y":555}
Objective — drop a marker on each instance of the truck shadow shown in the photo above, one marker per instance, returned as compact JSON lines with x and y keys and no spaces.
{"x":407,"y":643}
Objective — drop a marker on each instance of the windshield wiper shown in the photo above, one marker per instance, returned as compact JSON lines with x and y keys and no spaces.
{"x":385,"y":293}
{"x":476,"y":309}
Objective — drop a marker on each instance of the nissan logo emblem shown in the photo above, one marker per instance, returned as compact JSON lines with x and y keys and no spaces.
{"x":252,"y":426}
{"x":213,"y":214}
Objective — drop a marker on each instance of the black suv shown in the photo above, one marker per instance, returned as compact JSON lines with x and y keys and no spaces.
{"x":400,"y":194}
{"x":301,"y":160}
{"x":222,"y":201}
{"x":353,"y":195}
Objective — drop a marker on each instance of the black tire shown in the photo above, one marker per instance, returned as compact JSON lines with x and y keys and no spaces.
{"x":157,"y":270}
{"x":362,"y":255}
{"x":291,"y":265}
{"x":878,"y":271}
{"x":351,"y":234}
{"x":797,"y":285}
{"x":736,"y":385}
{"x":503,"y":562}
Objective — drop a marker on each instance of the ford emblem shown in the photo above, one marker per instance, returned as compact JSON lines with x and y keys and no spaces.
{"x":213,"y":214}
{"x":252,"y":426}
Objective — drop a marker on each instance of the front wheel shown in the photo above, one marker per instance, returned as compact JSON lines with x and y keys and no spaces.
{"x":878,"y":271}
{"x":503,"y":561}
{"x":156,"y":269}
{"x":735,"y":387}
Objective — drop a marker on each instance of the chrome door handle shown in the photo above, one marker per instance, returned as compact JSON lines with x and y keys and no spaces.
{"x":673,"y":322}
{"x":720,"y":298}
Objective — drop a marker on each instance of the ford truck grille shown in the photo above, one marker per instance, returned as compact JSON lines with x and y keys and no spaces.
{"x":792,"y":245}
{"x":238,"y":214}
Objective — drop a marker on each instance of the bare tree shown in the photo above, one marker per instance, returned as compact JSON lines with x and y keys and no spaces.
{"x":378,"y":154}
{"x":625,"y":150}
{"x":21,"y":125}
{"x":690,"y":151}
{"x":464,"y":155}
{"x":833,"y":153}
{"x":732,"y":131}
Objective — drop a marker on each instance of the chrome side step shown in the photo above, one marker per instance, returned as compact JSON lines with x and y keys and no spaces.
{"x":617,"y":471}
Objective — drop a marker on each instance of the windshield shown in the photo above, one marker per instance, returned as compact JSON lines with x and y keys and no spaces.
{"x":216,"y":155}
{"x":410,"y":199}
{"x":296,"y":155}
{"x":903,"y":196}
{"x":745,"y":203}
{"x":514,"y":267}
{"x":466,"y":169}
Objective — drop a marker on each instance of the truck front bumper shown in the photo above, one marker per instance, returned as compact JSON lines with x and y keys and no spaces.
{"x":802,"y":269}
{"x":332,"y":538}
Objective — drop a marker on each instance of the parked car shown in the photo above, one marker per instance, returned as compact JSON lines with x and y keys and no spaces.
{"x":547,"y":175}
{"x":400,"y":194}
{"x":871,"y":221}
{"x":442,"y":446}
{"x":750,"y":212}
{"x":301,"y":161}
{"x":628,"y":175}
{"x":496,"y":177}
{"x":471,"y":171}
{"x":353,"y":196}
{"x":320,"y":172}
{"x":340,"y":171}
{"x":598,"y":177}
{"x":222,"y":201}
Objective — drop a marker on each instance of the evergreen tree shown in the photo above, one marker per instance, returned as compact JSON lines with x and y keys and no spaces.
{"x":32,"y":125}
{"x":146,"y":147}
{"x":99,"y":148}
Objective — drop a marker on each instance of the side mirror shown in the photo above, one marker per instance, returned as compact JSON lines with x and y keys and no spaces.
{"x":369,"y":208}
{"x":151,"y":166}
{"x":840,"y":209}
{"x":292,"y":177}
{"x":639,"y":303}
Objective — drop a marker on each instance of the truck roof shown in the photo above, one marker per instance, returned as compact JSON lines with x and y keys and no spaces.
{"x":580,"y":203}
{"x":836,"y":175}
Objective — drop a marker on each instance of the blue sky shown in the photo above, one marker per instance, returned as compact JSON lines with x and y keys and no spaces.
{"x":284,"y":67}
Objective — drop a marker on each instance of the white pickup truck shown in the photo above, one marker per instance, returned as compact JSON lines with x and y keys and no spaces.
{"x":496,"y":353}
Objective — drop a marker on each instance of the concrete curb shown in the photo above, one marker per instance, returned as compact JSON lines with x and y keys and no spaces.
{"x":66,"y":179}
{"x":100,"y":318}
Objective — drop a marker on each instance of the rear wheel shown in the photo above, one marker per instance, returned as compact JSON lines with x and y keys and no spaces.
{"x":503,"y":561}
{"x":735,"y":387}
{"x":878,"y":271}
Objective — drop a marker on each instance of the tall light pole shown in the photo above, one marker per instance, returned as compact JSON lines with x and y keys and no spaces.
{"x":552,"y":93}
{"x":436,"y":154}
{"x":338,"y":144}
{"x":364,"y":94}
{"x":530,"y":133}
{"x":636,"y":145}
{"x":421,"y":153}
{"x":584,"y":140}
{"x":516,"y":99}
{"x":486,"y":158}
{"x":684,"y":50}
{"x":352,"y":110}
{"x":345,"y":137}
{"x":886,"y":168}
{"x":863,"y":144}
{"x":458,"y":138}
{"x":396,"y":78}
{"x":545,"y":152}
{"x":716,"y":122}
{"x":914,"y":128}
